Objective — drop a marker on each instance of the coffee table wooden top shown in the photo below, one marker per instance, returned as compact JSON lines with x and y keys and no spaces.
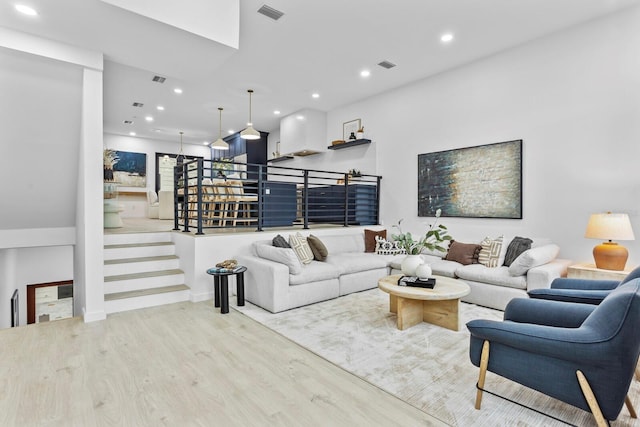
{"x":446,"y":288}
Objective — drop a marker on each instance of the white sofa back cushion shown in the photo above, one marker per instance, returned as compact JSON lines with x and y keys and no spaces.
{"x":284,"y":256}
{"x":343,"y":243}
{"x":532,"y":258}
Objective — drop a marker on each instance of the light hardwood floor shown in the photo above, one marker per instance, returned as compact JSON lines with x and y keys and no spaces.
{"x":180,"y":365}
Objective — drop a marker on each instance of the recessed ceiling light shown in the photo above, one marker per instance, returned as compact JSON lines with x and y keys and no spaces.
{"x":26,"y":10}
{"x":446,"y":38}
{"x":132,"y":133}
{"x":160,"y":108}
{"x":276,"y":112}
{"x":178,"y":90}
{"x":300,"y":117}
{"x":149,"y":118}
{"x":205,"y":143}
{"x":365,"y":73}
{"x":231,"y":131}
{"x":315,"y":95}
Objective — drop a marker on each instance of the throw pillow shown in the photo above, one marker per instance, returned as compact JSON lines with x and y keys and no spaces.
{"x":385,"y":247}
{"x":464,"y":253}
{"x":533,"y":258}
{"x":370,"y":239}
{"x":284,"y":256}
{"x":318,"y":248}
{"x":301,"y":247}
{"x":490,"y":253}
{"x":280,"y":242}
{"x":515,"y":248}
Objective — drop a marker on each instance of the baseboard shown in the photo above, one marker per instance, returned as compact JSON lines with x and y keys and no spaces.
{"x":203,"y":296}
{"x":93,"y":316}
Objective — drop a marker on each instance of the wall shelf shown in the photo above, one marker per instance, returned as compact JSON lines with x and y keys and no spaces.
{"x":351,"y":143}
{"x":280,"y":159}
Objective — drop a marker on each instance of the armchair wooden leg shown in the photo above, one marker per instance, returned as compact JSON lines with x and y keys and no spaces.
{"x":632,"y":411}
{"x":484,"y":362}
{"x":591,"y":400}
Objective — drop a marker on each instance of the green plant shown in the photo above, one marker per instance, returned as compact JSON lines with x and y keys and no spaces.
{"x":432,"y":239}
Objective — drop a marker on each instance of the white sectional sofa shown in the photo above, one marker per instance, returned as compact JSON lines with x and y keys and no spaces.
{"x":276,"y":281}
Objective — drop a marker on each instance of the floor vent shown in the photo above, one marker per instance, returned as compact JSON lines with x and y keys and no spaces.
{"x":159,"y":79}
{"x":386,"y":64}
{"x":270,"y":12}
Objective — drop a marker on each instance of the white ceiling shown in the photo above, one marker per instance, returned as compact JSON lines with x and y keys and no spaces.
{"x":318,"y":46}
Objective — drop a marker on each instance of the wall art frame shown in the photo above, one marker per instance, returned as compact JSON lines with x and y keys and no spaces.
{"x":131,"y":169}
{"x":474,"y":182}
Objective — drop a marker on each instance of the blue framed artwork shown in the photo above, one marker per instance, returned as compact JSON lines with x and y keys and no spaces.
{"x":131,"y":169}
{"x":474,"y":182}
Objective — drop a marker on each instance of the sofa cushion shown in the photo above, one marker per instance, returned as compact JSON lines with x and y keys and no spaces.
{"x":318,"y":248}
{"x":464,"y":253}
{"x":494,"y":276}
{"x":515,"y":248}
{"x":344,"y":243}
{"x":284,"y":256}
{"x":348,"y":263}
{"x":490,"y":253}
{"x":315,"y":271}
{"x":280,"y":242}
{"x":370,"y":239}
{"x":301,"y":248}
{"x":533,"y":258}
{"x":442,"y":267}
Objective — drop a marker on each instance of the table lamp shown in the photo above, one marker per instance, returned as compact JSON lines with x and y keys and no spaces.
{"x":610,"y":226}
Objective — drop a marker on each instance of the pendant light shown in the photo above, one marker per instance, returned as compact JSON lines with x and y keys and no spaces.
{"x":181,"y":157}
{"x":250,"y":132}
{"x":219,"y":144}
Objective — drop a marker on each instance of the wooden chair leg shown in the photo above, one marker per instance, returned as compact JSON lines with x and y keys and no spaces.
{"x":484,"y":362}
{"x":632,"y":411}
{"x":591,"y":400}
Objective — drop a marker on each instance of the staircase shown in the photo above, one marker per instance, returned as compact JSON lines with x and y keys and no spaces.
{"x":141,"y":270}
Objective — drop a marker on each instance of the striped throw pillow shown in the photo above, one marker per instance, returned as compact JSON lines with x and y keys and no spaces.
{"x":301,"y":247}
{"x":490,"y":252}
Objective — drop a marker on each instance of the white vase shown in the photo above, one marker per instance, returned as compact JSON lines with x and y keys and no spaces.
{"x":410,"y":263}
{"x":423,"y":271}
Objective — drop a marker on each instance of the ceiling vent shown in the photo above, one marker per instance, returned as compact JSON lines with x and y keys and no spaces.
{"x":127,"y":122}
{"x":270,"y":12}
{"x":138,"y":104}
{"x":386,"y":64}
{"x":159,"y":79}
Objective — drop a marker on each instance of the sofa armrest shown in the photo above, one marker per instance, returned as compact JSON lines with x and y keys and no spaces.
{"x":541,"y":277}
{"x":266,"y":282}
{"x":584,"y":284}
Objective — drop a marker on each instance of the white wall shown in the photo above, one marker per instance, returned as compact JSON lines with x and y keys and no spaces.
{"x":136,"y":206}
{"x":573,"y":97}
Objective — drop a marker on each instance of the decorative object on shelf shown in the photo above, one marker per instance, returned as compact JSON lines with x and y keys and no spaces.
{"x":250,"y":133}
{"x":228,"y":263}
{"x":220,"y":144}
{"x":432,"y":239}
{"x":354,"y":173}
{"x":423,"y":271}
{"x":360,"y":133}
{"x":276,"y":153}
{"x":109,"y":158}
{"x":350,"y":128}
{"x":337,"y":142}
{"x":610,"y":226}
{"x":352,"y":137}
{"x":501,"y":165}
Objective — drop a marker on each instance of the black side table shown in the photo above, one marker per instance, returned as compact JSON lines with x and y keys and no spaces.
{"x":221,"y":287}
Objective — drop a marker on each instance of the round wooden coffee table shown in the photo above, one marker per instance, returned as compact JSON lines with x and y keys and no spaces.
{"x":438,"y":306}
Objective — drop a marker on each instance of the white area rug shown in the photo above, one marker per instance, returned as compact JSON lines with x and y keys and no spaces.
{"x":426,"y":365}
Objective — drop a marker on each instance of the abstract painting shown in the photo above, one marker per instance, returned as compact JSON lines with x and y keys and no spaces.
{"x":131,"y":169}
{"x":474,"y":182}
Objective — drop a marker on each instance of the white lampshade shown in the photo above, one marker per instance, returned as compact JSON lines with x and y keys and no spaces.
{"x":250,"y":133}
{"x":219,"y":144}
{"x":609,"y":226}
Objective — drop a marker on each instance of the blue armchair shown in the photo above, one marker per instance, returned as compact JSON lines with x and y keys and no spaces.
{"x":581,"y":354}
{"x":581,"y":290}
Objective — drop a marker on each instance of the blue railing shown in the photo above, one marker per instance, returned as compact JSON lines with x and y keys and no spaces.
{"x":210,"y":195}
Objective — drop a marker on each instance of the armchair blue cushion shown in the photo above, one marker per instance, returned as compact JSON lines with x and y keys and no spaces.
{"x":583,"y":291}
{"x":542,"y":344}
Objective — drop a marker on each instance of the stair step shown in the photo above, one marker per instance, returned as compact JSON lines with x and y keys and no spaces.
{"x":145,"y":292}
{"x":137,"y":245}
{"x":140,"y":259}
{"x":137,"y":250}
{"x":147,"y":274}
{"x":129,"y":238}
{"x":134,"y":300}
